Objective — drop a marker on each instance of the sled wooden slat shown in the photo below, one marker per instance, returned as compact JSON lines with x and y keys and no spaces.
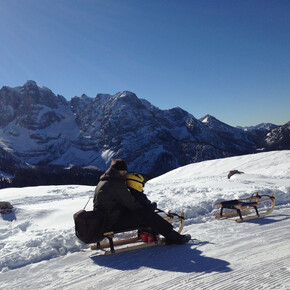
{"x":232,"y":214}
{"x":170,"y":218}
{"x":116,"y":243}
{"x":136,"y":247}
{"x":261,"y":214}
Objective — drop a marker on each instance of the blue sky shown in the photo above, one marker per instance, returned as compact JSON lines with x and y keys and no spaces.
{"x":230,"y":59}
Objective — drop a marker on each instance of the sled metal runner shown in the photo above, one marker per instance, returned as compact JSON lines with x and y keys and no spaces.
{"x":244,"y":205}
{"x":109,"y":246}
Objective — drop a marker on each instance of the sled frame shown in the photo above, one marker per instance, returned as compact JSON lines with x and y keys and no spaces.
{"x":170,"y":217}
{"x":241,"y":206}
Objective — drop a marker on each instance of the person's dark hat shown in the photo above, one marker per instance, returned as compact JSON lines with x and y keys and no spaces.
{"x":119,"y":164}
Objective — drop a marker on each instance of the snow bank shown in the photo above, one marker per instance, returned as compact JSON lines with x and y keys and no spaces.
{"x":41,"y":226}
{"x":196,"y":188}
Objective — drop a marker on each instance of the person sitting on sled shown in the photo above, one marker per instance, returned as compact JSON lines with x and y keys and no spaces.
{"x":122,"y":210}
{"x":135,"y":183}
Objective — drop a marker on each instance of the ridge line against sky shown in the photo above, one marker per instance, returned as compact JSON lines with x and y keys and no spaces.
{"x":226,"y":58}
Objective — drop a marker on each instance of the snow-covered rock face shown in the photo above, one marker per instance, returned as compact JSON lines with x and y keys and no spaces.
{"x":38,"y":127}
{"x":279,"y":138}
{"x":241,"y":139}
{"x":260,"y":127}
{"x":30,"y":106}
{"x":35,"y":123}
{"x":150,"y":139}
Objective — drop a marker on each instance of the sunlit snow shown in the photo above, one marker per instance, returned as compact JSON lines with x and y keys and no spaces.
{"x":39,"y":249}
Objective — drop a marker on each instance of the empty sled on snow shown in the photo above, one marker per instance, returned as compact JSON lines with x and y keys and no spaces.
{"x":109,"y":246}
{"x":244,"y":205}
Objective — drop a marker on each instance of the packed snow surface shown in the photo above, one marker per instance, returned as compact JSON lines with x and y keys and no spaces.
{"x":39,"y":249}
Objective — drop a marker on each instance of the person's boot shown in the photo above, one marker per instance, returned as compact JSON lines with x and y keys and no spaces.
{"x":176,"y":238}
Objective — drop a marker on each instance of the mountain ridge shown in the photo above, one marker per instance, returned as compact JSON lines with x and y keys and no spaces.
{"x":38,"y":127}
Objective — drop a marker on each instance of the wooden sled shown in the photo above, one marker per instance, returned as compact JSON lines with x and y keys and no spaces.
{"x":138,"y":243}
{"x":244,"y":205}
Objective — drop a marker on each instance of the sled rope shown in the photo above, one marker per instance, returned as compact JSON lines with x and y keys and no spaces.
{"x":170,"y":214}
{"x":87,"y":202}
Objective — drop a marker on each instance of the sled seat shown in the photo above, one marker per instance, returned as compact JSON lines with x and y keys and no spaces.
{"x":238,"y":205}
{"x":110,"y":235}
{"x":170,"y":217}
{"x":235,"y":204}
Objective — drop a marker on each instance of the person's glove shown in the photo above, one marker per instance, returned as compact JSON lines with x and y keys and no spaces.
{"x":153,"y":205}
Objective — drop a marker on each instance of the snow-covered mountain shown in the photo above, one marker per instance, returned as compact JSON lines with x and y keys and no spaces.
{"x":39,"y":249}
{"x":263,"y":137}
{"x":150,"y":139}
{"x":240,"y":138}
{"x":38,"y":127}
{"x":261,"y":127}
{"x":35,"y":125}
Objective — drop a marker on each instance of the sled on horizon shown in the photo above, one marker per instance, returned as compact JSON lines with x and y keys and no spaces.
{"x":245,"y":205}
{"x":109,"y":247}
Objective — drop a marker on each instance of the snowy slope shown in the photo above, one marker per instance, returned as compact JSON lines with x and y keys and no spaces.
{"x":39,"y":250}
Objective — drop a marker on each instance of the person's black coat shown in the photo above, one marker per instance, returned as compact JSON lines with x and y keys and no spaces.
{"x":113,"y":197}
{"x":142,"y":198}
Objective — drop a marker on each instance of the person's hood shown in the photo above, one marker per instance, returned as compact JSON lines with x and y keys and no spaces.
{"x":111,"y":173}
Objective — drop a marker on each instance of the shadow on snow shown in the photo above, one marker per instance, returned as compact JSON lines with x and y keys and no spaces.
{"x":9,"y":216}
{"x":177,"y":258}
{"x":268,"y":220}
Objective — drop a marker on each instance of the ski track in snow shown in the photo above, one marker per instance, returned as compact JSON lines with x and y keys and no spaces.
{"x":39,"y":249}
{"x":252,"y":255}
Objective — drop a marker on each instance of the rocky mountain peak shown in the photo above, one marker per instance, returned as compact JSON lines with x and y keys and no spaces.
{"x":207,"y":119}
{"x":30,"y":84}
{"x":279,"y":138}
{"x":30,"y":106}
{"x":126,"y":98}
{"x":125,"y":94}
{"x":42,"y":128}
{"x":212,"y":122}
